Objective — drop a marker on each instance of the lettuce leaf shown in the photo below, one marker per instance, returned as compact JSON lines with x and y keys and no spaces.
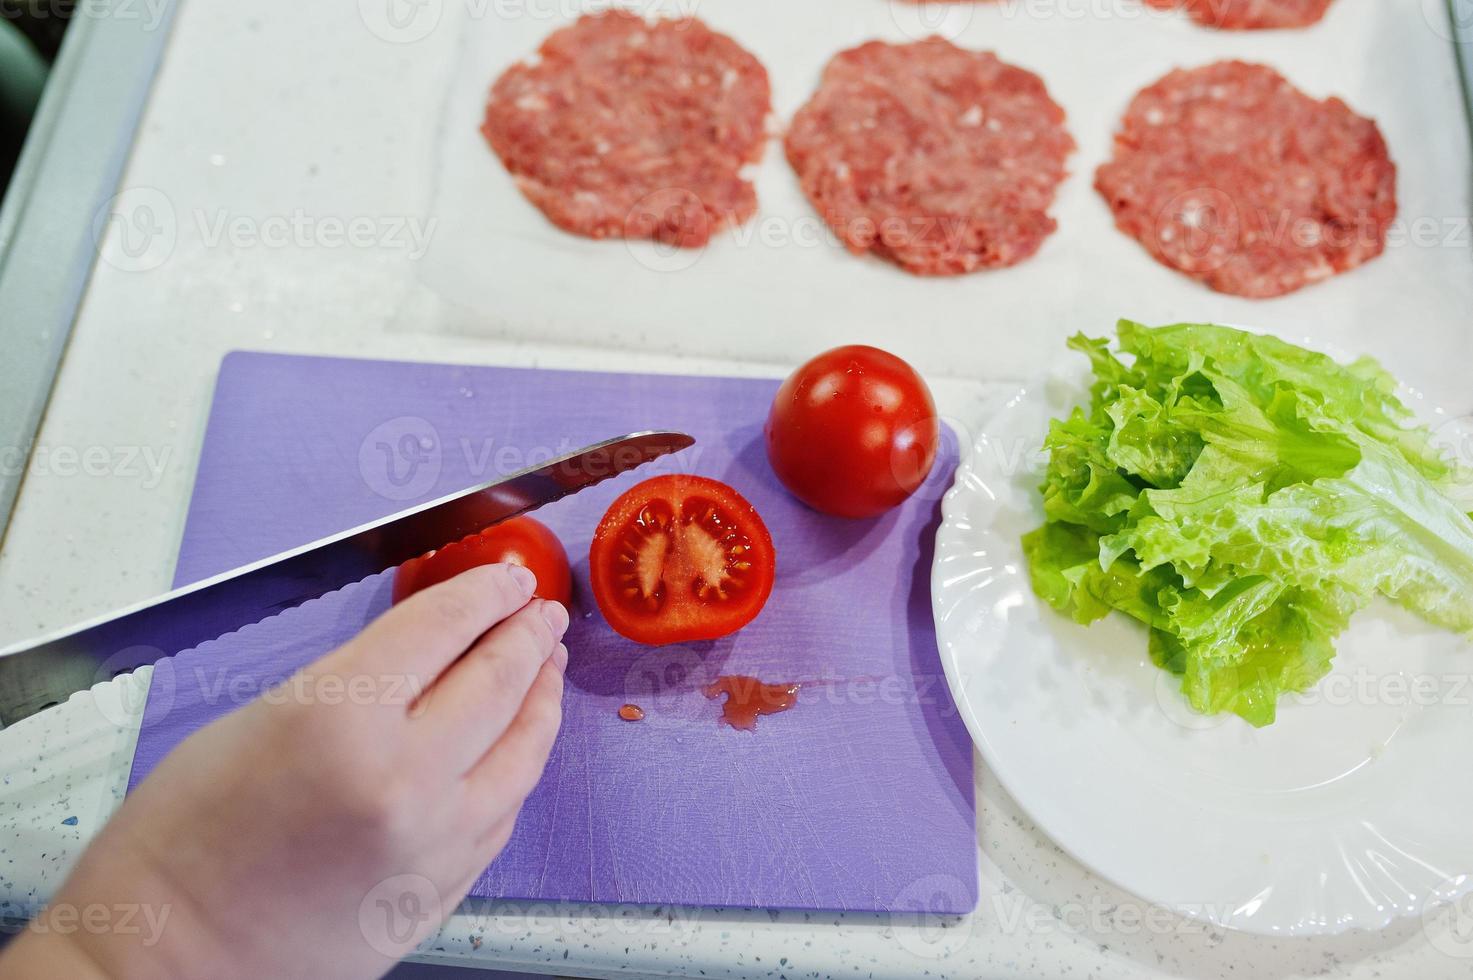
{"x":1242,"y":497}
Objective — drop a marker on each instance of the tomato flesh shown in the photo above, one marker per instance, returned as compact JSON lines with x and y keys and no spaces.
{"x":681,"y":558}
{"x":519,"y":541}
{"x":853,"y":432}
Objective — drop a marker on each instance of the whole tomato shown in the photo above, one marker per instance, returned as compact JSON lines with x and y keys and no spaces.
{"x":853,"y":432}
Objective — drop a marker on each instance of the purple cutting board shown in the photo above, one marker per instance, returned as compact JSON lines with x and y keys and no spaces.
{"x":858,"y":798}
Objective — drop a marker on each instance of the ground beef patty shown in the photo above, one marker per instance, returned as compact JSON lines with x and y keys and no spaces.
{"x":624,"y":128}
{"x":1245,"y":15}
{"x":938,"y":159}
{"x":1233,"y":176}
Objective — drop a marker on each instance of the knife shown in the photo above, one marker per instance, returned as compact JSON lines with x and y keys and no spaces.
{"x":38,"y":674}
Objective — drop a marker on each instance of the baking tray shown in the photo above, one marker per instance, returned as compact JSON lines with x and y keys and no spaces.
{"x":778,"y":287}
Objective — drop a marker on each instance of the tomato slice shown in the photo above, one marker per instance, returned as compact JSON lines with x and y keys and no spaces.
{"x":680,"y":558}
{"x":519,"y":541}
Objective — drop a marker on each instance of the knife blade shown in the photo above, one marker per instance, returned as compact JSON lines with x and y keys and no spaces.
{"x":37,"y":674}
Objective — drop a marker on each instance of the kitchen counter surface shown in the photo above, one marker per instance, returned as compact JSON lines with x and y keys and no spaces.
{"x":102,"y":506}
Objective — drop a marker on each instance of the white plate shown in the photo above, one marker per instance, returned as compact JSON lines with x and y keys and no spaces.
{"x":1349,"y":812}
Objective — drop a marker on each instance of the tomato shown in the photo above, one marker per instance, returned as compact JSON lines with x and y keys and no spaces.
{"x":853,"y":432}
{"x":519,"y":541}
{"x":680,"y":558}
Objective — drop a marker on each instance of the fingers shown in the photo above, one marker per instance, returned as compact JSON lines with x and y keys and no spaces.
{"x":429,"y":631}
{"x":474,"y":702}
{"x":508,"y":772}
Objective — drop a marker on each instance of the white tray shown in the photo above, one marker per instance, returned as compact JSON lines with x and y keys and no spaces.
{"x":778,"y":287}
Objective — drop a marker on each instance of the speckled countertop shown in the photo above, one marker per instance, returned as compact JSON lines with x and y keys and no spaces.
{"x":1041,"y":914}
{"x":136,"y":382}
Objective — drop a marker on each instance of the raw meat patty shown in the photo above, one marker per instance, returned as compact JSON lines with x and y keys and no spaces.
{"x":1242,"y":15}
{"x":625,"y":128}
{"x":1233,"y":176}
{"x":938,"y":159}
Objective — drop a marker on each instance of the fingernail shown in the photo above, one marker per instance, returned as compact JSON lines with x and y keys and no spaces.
{"x":556,"y":616}
{"x":524,"y":578}
{"x":560,"y":656}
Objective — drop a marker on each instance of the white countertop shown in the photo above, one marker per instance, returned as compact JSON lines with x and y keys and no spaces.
{"x":250,"y":122}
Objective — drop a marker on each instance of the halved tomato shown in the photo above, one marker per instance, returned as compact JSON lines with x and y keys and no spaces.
{"x":519,"y":541}
{"x":680,"y":558}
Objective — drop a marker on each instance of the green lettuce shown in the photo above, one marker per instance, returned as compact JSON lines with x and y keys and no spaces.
{"x":1242,"y":497}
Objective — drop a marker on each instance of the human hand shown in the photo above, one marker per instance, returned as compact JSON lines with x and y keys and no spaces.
{"x":306,"y":836}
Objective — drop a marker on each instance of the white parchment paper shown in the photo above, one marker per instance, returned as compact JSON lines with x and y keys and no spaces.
{"x":779,"y":288}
